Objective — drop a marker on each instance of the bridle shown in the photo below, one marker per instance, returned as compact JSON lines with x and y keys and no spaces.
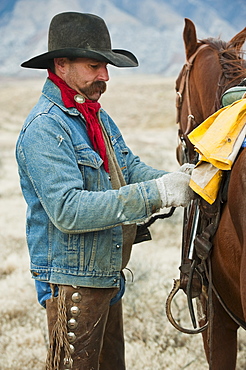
{"x":184,"y":86}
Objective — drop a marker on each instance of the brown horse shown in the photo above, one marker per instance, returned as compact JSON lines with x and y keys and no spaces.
{"x":212,"y":67}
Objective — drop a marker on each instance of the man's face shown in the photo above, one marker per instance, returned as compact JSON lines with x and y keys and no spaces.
{"x":87,"y":76}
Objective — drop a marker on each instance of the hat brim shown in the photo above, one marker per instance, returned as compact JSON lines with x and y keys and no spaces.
{"x":116,"y":57}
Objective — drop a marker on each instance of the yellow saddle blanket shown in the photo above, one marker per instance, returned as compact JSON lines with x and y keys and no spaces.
{"x":217,"y":140}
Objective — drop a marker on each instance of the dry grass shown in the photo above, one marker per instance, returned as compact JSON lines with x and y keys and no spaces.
{"x":144,"y":109}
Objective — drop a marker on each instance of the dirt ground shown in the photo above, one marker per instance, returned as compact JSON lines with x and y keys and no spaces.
{"x":144,"y":109}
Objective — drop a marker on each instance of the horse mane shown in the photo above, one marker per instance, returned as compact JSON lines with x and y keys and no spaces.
{"x":233,"y":65}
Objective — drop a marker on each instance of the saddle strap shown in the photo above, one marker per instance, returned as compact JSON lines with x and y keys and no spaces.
{"x":236,"y":319}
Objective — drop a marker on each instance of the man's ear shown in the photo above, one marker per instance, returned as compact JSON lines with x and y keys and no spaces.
{"x":60,"y":64}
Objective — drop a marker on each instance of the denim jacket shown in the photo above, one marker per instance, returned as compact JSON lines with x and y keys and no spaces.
{"x":74,"y":217}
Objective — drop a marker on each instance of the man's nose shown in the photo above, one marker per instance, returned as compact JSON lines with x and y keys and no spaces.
{"x":103,"y":74}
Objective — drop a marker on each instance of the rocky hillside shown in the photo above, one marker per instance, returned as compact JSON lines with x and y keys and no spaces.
{"x":151,"y":29}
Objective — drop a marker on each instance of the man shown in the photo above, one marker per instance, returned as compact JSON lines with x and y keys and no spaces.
{"x":85,"y":192}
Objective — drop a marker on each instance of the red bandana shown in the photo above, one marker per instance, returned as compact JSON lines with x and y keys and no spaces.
{"x":89,"y":109}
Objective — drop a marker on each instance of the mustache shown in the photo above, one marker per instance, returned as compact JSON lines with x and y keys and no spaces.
{"x":94,"y":87}
{"x":99,"y":85}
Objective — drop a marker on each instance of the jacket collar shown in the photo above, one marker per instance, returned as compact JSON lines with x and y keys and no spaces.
{"x":53,"y":93}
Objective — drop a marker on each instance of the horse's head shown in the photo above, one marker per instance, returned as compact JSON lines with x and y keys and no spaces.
{"x":212,"y":66}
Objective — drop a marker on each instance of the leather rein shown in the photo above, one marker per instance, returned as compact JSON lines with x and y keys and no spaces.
{"x":189,"y":225}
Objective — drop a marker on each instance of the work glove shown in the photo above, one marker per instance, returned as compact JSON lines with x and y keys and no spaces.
{"x":174,"y":187}
{"x":187,"y":168}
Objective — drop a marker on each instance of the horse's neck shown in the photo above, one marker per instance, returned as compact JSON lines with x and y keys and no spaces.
{"x":206,"y":77}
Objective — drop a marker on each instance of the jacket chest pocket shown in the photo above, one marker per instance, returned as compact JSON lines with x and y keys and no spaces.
{"x":90,"y":165}
{"x":121,"y":152}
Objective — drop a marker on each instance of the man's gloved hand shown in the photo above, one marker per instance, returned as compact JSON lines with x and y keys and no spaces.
{"x":174,"y":187}
{"x":187,"y":168}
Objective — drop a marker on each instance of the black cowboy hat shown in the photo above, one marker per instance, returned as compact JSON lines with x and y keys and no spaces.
{"x":80,"y":35}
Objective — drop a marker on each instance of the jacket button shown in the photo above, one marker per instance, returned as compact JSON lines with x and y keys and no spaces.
{"x":117,"y":246}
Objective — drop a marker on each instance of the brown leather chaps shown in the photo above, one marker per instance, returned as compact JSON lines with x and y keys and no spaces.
{"x":85,"y":332}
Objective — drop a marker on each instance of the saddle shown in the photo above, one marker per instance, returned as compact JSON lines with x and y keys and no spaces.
{"x":234,"y":93}
{"x":200,"y":225}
